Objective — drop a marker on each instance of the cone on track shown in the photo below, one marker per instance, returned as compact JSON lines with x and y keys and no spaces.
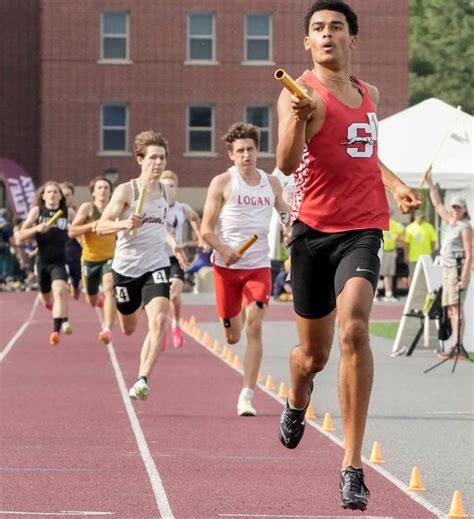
{"x":282,"y":391}
{"x":236,"y":364}
{"x":225,"y":351}
{"x":269,"y":384}
{"x":376,"y":454}
{"x":181,"y":322}
{"x":206,"y":340}
{"x":229,"y":357}
{"x":327,"y":423}
{"x":260,"y":377}
{"x":217,"y":346}
{"x":199,"y":335}
{"x":192,"y":320}
{"x":415,"y":481}
{"x":310,"y":414}
{"x":457,"y":508}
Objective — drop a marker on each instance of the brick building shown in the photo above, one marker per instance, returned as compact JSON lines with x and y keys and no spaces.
{"x":80,"y":79}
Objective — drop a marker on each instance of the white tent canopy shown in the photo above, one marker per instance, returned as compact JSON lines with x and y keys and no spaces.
{"x":429,"y":132}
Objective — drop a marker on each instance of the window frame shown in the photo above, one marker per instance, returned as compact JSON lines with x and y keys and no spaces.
{"x":126,"y":35}
{"x":189,"y":128}
{"x":125,"y":128}
{"x":269,"y":38}
{"x":190,"y":60}
{"x":267,"y":129}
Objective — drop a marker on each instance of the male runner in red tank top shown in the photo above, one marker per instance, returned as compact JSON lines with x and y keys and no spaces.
{"x":340,"y":208}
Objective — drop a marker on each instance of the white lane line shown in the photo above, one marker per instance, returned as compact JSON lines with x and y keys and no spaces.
{"x":19,"y":333}
{"x":153,"y":474}
{"x":309,"y":516}
{"x":62,"y":513}
{"x":397,"y":482}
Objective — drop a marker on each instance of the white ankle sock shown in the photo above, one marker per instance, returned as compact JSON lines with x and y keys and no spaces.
{"x":174,"y":324}
{"x":247,"y":393}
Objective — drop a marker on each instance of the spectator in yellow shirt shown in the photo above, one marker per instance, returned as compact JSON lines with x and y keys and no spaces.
{"x":420,"y":237}
{"x":389,"y":258}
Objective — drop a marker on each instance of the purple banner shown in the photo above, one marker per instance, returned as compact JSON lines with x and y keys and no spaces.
{"x":19,"y":186}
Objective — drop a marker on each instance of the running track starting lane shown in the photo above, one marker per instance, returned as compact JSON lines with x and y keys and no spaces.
{"x":68,"y":443}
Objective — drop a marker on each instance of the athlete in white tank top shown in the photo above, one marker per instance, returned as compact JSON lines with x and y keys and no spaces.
{"x":239,"y":204}
{"x":146,"y":251}
{"x":140,"y":267}
{"x":247,"y":212}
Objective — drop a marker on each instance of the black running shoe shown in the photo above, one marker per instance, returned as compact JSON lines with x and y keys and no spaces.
{"x":292,"y":422}
{"x":354,"y":493}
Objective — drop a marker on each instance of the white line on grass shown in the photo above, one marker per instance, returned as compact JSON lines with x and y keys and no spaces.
{"x":153,"y":474}
{"x":19,"y":333}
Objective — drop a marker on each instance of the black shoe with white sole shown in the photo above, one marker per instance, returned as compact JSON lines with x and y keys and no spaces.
{"x":354,"y":492}
{"x":292,"y":423}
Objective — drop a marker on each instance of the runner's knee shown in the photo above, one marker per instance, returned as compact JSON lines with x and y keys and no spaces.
{"x":354,"y":334}
{"x":310,"y":363}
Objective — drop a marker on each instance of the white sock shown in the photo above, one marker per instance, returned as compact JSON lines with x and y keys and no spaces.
{"x":388,"y":294}
{"x":105,"y":329}
{"x":246,"y":393}
{"x":174,"y":324}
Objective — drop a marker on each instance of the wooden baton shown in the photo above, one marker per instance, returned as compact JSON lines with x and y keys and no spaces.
{"x":290,"y":84}
{"x":139,"y":208}
{"x":55,"y":216}
{"x":247,"y":244}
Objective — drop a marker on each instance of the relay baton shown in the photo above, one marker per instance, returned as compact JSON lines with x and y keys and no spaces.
{"x":139,"y":208}
{"x":55,"y":216}
{"x":247,"y":244}
{"x":425,"y":174}
{"x":290,"y":84}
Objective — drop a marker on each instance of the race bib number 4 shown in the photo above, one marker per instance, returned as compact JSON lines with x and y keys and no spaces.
{"x":159,"y":276}
{"x":121,"y":294}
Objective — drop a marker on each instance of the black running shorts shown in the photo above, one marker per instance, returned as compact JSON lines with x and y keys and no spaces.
{"x":321,"y":263}
{"x":176,"y":271}
{"x":130,"y":293}
{"x":46,"y":274}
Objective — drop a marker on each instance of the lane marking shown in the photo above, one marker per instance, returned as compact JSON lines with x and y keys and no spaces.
{"x":153,"y":474}
{"x":394,"y":480}
{"x":309,"y":516}
{"x":19,"y":333}
{"x":62,"y":513}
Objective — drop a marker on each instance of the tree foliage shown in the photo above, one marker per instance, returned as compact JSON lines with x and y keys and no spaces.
{"x":442,"y":52}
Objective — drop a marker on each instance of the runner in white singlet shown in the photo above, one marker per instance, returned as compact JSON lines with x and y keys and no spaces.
{"x":239,"y":205}
{"x":178,"y":214}
{"x":141,"y":265}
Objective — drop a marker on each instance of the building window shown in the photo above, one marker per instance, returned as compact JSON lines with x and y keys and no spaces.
{"x":258,"y":37}
{"x":115,"y":29}
{"x":261,"y":116}
{"x":200,"y":129}
{"x":114,"y":127}
{"x":201,"y":37}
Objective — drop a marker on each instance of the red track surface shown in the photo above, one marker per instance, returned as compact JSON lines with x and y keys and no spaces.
{"x":67,"y":443}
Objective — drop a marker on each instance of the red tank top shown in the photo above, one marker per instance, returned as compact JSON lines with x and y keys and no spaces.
{"x":339,"y":182}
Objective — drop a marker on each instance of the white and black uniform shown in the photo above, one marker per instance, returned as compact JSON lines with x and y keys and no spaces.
{"x":51,"y":259}
{"x":140,"y":266}
{"x":175,"y":223}
{"x":247,"y":212}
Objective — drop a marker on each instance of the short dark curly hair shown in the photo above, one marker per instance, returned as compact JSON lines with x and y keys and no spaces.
{"x":333,"y":5}
{"x":241,"y":131}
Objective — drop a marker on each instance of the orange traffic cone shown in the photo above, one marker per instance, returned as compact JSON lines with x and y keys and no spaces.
{"x":260,"y":377}
{"x":282,"y":392}
{"x":269,"y":384}
{"x":457,"y":508}
{"x":415,"y":481}
{"x":192,"y":320}
{"x":224,"y":351}
{"x":310,"y":414}
{"x":236,"y":364}
{"x":206,"y":340}
{"x":217,"y":346}
{"x":198,"y":335}
{"x":376,"y":454}
{"x":229,"y":357}
{"x":327,"y":423}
